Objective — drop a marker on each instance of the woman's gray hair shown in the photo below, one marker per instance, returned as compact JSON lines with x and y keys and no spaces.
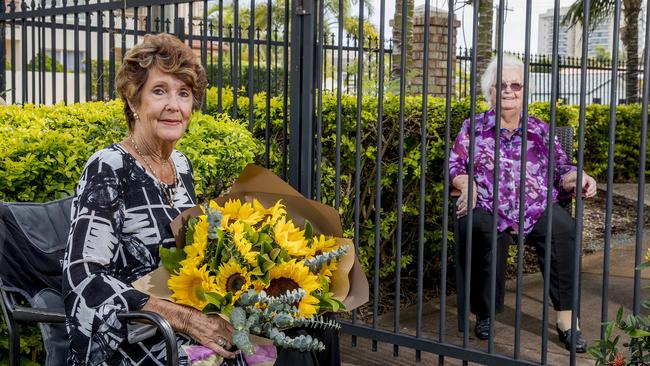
{"x":488,"y":79}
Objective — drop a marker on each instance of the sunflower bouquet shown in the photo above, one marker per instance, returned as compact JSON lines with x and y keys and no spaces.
{"x":254,"y":265}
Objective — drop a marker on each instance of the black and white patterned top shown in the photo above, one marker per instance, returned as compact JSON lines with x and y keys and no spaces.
{"x":120,"y":218}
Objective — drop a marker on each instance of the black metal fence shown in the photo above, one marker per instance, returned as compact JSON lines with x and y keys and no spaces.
{"x":381,"y":159}
{"x":598,"y":78}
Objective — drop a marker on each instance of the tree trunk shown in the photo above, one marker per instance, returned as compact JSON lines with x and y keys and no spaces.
{"x":397,"y":37}
{"x":630,"y":39}
{"x":484,"y":39}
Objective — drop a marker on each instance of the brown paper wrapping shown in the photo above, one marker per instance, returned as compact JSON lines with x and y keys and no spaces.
{"x":349,"y":283}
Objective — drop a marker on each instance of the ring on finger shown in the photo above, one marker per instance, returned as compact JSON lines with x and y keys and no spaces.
{"x":222,"y":342}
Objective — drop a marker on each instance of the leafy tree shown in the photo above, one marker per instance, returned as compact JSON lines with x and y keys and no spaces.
{"x":602,"y":10}
{"x":36,"y":61}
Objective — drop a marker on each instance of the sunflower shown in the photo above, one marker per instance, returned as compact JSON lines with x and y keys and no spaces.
{"x":196,"y":251}
{"x":190,"y":285}
{"x":233,"y":278}
{"x":293,"y":275}
{"x":236,"y":210}
{"x":243,"y":245}
{"x":290,"y":238}
{"x":272,"y":213}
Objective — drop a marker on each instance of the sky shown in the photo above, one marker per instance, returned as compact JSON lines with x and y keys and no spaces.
{"x":514,"y":25}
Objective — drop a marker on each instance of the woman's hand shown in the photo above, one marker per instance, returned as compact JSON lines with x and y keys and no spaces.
{"x":589,"y":185}
{"x":211,"y":331}
{"x":460,"y":183}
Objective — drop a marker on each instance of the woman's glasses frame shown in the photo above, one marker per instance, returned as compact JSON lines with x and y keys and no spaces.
{"x":514,"y":86}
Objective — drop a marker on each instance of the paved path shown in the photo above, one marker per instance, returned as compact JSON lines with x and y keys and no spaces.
{"x":621,"y":272}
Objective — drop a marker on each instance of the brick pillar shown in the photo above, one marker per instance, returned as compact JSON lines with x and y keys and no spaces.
{"x":437,"y":61}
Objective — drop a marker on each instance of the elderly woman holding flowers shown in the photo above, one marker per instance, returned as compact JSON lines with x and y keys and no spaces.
{"x":126,"y":197}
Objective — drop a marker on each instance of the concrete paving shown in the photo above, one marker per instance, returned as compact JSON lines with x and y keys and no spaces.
{"x":620,"y":286}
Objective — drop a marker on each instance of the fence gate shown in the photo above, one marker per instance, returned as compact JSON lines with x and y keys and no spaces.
{"x":348,"y":116}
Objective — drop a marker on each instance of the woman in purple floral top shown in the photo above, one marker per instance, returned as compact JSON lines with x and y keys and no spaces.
{"x":535,"y":218}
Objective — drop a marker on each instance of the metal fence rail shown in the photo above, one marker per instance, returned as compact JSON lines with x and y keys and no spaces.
{"x":351,"y":134}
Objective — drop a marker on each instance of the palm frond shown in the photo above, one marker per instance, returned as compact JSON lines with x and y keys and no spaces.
{"x":600,"y":10}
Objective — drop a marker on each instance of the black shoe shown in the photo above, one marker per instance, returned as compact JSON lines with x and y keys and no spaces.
{"x":565,"y":337}
{"x":482,"y":328}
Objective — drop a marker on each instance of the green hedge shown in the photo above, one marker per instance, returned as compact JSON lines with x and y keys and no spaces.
{"x":44,"y":149}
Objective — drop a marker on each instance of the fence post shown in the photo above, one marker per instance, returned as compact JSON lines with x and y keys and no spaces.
{"x":301,"y":165}
{"x":179,"y":28}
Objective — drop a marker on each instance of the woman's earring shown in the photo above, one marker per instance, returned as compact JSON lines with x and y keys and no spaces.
{"x":135,"y":115}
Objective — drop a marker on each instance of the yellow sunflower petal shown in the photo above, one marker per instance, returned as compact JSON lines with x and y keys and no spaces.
{"x":290,"y":238}
{"x":190,"y":285}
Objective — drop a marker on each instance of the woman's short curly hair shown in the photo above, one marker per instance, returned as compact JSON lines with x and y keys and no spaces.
{"x":168,"y":54}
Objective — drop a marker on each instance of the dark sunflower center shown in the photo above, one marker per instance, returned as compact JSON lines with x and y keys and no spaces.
{"x":279,"y":286}
{"x":235,"y":283}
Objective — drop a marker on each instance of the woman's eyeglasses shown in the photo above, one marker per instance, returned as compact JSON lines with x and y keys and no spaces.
{"x":513,"y":86}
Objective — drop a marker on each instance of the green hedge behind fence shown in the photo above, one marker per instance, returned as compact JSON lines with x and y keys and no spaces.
{"x":42,"y":152}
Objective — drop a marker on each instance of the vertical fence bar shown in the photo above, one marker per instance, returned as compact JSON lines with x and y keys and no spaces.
{"x":400,"y":170}
{"x":357,"y":160}
{"x":318,"y":74}
{"x":378,"y":162}
{"x":111,"y":54}
{"x":64,"y":54}
{"x":579,"y":206}
{"x":3,"y":53}
{"x":220,"y":59}
{"x":12,"y":10}
{"x":470,"y":177}
{"x":122,"y":33}
{"x":442,"y":329}
{"x":88,"y":26}
{"x":190,"y":22}
{"x":640,"y":218}
{"x":251,"y":68}
{"x":423,"y":175}
{"x":267,"y":129}
{"x":234,"y":69}
{"x":285,"y":89}
{"x":522,"y":182}
{"x":35,"y":48}
{"x":550,"y":178}
{"x":42,"y":53}
{"x":100,"y":55}
{"x":610,"y":162}
{"x":204,"y":49}
{"x":23,"y":49}
{"x":339,"y":92}
{"x":54,"y":62}
{"x":76,"y":55}
{"x":642,"y":164}
{"x":495,"y":176}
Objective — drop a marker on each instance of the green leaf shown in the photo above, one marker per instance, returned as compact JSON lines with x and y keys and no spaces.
{"x":171,"y":258}
{"x":309,"y":230}
{"x":637,"y":333}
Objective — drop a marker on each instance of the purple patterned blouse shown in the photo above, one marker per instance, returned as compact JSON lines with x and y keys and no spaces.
{"x":509,"y":168}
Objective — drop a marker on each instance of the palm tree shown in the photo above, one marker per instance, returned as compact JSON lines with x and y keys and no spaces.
{"x":604,"y":9}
